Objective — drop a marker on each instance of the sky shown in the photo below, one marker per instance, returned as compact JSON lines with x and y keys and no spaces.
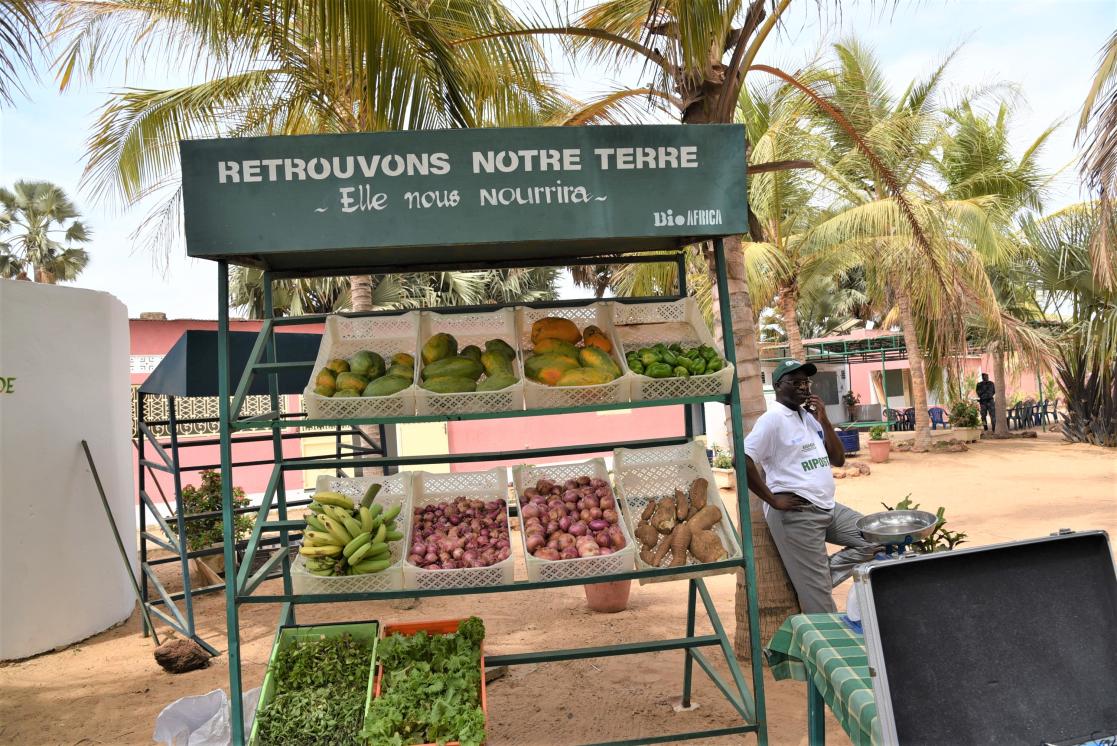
{"x":1048,"y":49}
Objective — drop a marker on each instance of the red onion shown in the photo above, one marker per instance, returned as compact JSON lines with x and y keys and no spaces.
{"x":569,"y":553}
{"x":579,"y":528}
{"x":602,"y":538}
{"x":565,"y":522}
{"x":598,"y":525}
{"x":595,"y":513}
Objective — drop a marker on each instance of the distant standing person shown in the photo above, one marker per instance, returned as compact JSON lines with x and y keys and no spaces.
{"x":985,"y":395}
{"x":797,"y":447}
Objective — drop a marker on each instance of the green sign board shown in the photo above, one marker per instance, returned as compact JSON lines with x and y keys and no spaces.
{"x":375,"y":198}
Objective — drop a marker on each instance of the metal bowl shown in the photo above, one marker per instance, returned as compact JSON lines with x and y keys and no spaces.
{"x":896,"y":526}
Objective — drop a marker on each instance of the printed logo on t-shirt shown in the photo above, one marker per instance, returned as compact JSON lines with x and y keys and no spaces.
{"x":814,"y":463}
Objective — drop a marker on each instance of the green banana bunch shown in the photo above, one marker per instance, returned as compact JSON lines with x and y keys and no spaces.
{"x":347,"y":538}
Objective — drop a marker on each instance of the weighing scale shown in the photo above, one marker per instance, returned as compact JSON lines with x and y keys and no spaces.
{"x":896,"y":531}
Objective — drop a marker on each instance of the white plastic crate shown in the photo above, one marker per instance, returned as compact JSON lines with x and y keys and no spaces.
{"x":474,"y":328}
{"x":394,"y":490}
{"x":645,"y":324}
{"x":537,"y":569}
{"x":428,"y":488}
{"x":384,"y":335}
{"x":542,"y":396}
{"x":647,"y":474}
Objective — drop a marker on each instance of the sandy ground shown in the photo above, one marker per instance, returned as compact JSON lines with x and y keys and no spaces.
{"x":108,"y":689}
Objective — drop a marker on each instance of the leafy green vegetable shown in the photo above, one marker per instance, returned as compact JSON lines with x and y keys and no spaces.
{"x":431,"y":691}
{"x":319,"y":694}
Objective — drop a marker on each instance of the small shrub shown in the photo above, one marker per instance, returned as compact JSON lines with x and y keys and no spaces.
{"x":722,"y":459}
{"x":205,"y":532}
{"x":850,"y":399}
{"x":964,"y":414}
{"x":877,"y":432}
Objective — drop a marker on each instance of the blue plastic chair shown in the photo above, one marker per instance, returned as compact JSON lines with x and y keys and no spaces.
{"x":937,"y":415}
{"x":909,"y":418}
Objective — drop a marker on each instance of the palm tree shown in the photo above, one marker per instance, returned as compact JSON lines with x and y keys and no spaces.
{"x":21,"y":36}
{"x":1071,"y":290}
{"x":39,"y":230}
{"x":976,"y":162}
{"x":302,"y":67}
{"x":921,"y":249}
{"x":1097,"y":125}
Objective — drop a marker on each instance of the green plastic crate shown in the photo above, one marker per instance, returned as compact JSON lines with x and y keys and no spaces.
{"x":290,"y":633}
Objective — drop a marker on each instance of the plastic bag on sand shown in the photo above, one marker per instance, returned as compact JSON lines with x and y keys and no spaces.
{"x":202,"y":720}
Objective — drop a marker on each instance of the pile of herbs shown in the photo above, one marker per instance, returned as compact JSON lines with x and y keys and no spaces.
{"x":431,"y":690}
{"x":320,"y":689}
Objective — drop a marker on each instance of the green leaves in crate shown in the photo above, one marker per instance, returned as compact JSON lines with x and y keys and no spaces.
{"x":320,"y":688}
{"x":431,"y":691}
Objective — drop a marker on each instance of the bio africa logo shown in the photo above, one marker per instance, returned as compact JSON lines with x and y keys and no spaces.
{"x":689,"y":217}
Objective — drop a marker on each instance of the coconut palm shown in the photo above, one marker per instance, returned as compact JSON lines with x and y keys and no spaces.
{"x":278,"y":68}
{"x":922,"y":250}
{"x":39,"y":233}
{"x":1097,"y":129}
{"x":20,"y":37}
{"x":976,"y":163}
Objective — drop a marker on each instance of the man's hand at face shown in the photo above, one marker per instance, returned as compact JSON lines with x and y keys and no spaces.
{"x":818,"y":408}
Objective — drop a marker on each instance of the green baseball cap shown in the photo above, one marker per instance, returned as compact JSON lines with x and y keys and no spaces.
{"x":790,"y":366}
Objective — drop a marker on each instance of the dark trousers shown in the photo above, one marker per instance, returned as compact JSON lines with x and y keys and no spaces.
{"x":987,"y":409}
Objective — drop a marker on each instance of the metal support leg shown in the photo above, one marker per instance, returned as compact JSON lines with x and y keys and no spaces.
{"x":744,"y":511}
{"x":816,"y":715}
{"x":232,"y":624}
{"x":180,"y":521}
{"x":688,"y":661}
{"x":277,"y":443}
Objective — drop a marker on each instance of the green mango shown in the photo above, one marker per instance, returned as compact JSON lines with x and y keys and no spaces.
{"x":386,"y":386}
{"x":449,"y":384}
{"x":458,"y":366}
{"x":497,"y":382}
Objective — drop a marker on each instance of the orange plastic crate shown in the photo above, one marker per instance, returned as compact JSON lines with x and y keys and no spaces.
{"x":441,"y":627}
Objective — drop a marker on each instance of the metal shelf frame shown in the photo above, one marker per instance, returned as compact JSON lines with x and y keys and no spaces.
{"x":745,"y":696}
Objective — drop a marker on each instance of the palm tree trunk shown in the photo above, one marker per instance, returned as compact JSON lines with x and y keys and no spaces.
{"x":45,"y":277}
{"x":922,"y":439}
{"x":360,"y":293}
{"x":1000,"y":394}
{"x":789,"y":303}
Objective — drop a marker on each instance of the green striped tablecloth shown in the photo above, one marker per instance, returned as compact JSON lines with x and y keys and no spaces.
{"x":825,"y":648}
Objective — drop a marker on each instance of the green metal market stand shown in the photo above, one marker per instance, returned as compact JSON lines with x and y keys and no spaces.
{"x":690,"y":188}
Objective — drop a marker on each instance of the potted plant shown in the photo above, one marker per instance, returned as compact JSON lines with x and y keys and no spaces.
{"x":724,"y":473}
{"x":851,"y":400}
{"x":879,"y":444}
{"x":965,"y":421}
{"x":206,"y":533}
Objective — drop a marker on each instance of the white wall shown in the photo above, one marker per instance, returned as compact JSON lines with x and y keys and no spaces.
{"x":61,"y":576}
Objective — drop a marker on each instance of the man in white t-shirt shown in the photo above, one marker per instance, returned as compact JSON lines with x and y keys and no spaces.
{"x":796,"y":446}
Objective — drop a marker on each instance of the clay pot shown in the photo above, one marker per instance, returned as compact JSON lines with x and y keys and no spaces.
{"x":878,"y":450}
{"x":726,"y":478}
{"x":608,"y":598}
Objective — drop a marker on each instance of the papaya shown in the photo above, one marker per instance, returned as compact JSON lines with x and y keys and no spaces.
{"x":324,"y":390}
{"x":557,"y":346}
{"x":401,"y":371}
{"x":439,"y":346}
{"x":554,"y":366}
{"x":457,"y":366}
{"x":338,"y":365}
{"x":351,"y":382}
{"x":584,"y":377}
{"x":449,"y":384}
{"x":497,"y":382}
{"x":499,"y":345}
{"x":346,"y":394}
{"x":367,"y":364}
{"x":473,"y":352}
{"x":555,"y":328}
{"x":597,"y":339}
{"x":495,"y":363}
{"x":386,"y":386}
{"x":592,"y":357}
{"x":402,"y":358}
{"x":326,"y":377}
